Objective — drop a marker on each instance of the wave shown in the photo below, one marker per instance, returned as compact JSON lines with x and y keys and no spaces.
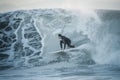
{"x":28,"y":36}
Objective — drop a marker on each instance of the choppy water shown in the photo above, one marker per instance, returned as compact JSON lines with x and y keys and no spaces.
{"x":64,"y":72}
{"x":28,"y":45}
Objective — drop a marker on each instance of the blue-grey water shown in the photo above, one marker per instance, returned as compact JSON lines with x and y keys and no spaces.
{"x":81,"y":72}
{"x":29,"y":45}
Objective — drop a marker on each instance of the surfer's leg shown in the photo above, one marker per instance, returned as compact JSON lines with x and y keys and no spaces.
{"x":61,"y":42}
{"x":69,"y":45}
{"x":64,"y":45}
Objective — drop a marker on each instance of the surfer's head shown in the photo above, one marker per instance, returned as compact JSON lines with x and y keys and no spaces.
{"x":59,"y":35}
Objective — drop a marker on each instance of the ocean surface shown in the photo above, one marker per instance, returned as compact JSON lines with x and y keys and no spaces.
{"x":29,"y":45}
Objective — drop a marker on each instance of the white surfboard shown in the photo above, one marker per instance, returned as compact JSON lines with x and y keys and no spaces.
{"x":66,"y":50}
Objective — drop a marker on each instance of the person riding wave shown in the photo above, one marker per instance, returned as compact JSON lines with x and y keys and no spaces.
{"x":65,"y":41}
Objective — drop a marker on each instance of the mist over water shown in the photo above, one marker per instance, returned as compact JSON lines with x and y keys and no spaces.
{"x":101,"y":27}
{"x":107,"y":38}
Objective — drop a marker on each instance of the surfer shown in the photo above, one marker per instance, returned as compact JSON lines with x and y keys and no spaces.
{"x":65,"y":41}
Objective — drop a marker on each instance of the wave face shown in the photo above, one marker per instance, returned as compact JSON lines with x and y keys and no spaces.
{"x":27,"y":37}
{"x":19,"y":38}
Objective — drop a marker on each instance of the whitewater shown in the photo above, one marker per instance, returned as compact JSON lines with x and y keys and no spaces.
{"x":29,"y":45}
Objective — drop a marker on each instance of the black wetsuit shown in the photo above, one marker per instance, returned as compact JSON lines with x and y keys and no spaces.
{"x":66,"y":41}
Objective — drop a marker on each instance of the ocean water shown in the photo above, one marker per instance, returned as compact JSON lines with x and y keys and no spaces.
{"x":64,"y":72}
{"x":29,"y":46}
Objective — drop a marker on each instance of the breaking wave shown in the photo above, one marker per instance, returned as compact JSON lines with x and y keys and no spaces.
{"x":27,"y":38}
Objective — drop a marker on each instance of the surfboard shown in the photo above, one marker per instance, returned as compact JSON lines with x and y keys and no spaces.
{"x":66,"y":50}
